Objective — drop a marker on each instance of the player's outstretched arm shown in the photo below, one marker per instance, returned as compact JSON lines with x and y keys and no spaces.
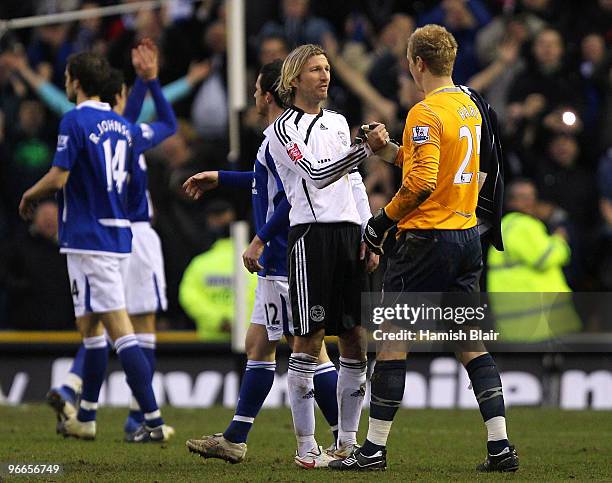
{"x":200,"y":183}
{"x":288,"y":147}
{"x":145,"y":62}
{"x":133,"y":105}
{"x":54,"y":180}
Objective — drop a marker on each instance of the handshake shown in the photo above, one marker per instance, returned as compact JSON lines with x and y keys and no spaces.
{"x":384,"y":148}
{"x":379,"y":141}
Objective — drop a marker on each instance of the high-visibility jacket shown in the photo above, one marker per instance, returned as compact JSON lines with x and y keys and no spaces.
{"x":537,"y":302}
{"x":206,"y":291}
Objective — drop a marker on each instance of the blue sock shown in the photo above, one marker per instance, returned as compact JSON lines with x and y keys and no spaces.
{"x":138,"y":376}
{"x":256,"y":384}
{"x":325,"y":382}
{"x":488,"y":390}
{"x":147,"y":343}
{"x":74,"y":381}
{"x":95,"y":361}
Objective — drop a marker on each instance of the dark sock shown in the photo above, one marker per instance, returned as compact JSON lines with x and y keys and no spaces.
{"x":488,"y":391}
{"x":325,"y":384}
{"x":387,"y":391}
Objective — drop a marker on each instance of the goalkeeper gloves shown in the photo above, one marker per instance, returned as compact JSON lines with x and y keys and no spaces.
{"x":376,"y":231}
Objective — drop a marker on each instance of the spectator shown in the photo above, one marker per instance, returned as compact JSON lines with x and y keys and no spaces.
{"x":463,"y":18}
{"x":89,"y":34}
{"x":499,"y":47}
{"x":209,"y":111}
{"x":57,"y":101}
{"x":271,"y":48}
{"x":601,"y":261}
{"x":563,"y":180}
{"x":49,"y":52}
{"x":595,"y":65}
{"x":34,"y":274}
{"x":544,"y":90}
{"x":555,"y":13}
{"x":31,"y":153}
{"x":297,"y":25}
{"x":206,"y":292}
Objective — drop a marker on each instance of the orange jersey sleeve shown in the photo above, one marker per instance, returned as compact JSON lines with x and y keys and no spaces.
{"x":420,"y":157}
{"x":440,"y":161}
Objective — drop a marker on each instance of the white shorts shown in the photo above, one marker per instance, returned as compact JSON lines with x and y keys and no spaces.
{"x":145,"y":285}
{"x":272,"y":308}
{"x":96,"y":282}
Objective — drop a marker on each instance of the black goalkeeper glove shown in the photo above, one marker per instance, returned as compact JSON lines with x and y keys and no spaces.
{"x":376,"y":231}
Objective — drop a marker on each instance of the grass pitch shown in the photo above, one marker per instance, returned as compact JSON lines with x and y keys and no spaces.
{"x":425,"y":445}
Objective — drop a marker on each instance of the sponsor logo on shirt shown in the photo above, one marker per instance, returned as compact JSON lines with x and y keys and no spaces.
{"x":62,"y":142}
{"x":293,"y":151}
{"x":420,"y":134}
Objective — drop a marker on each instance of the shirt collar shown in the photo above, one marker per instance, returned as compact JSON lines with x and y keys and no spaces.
{"x":102,"y":106}
{"x":450,"y":88}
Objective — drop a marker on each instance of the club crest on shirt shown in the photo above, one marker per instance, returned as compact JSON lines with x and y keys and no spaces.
{"x":420,"y":134}
{"x":293,"y":151}
{"x":342,"y":137}
{"x":62,"y":142}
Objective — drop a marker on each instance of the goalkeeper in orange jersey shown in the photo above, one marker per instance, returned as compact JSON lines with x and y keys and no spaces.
{"x":438,"y":244}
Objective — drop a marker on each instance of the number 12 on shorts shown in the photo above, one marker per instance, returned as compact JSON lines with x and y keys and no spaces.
{"x":272,"y":314}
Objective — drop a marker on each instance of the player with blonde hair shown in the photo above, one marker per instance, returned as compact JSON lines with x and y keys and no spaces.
{"x":438,"y":244}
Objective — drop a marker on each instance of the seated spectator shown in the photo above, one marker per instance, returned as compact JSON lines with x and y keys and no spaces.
{"x":206,"y":291}
{"x":35,"y":277}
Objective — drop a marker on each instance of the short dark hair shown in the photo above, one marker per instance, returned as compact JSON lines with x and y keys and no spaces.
{"x":91,"y":70}
{"x":112,"y":87}
{"x":270,"y":78}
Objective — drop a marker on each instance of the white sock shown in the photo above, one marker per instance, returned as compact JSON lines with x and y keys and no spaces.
{"x":147,"y":340}
{"x":301,"y":397}
{"x":350,"y":392}
{"x":74,"y":382}
{"x":134,"y":406}
{"x":496,"y":428}
{"x":378,"y":431}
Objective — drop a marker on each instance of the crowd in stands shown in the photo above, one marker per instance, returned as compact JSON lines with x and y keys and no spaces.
{"x":545,"y":65}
